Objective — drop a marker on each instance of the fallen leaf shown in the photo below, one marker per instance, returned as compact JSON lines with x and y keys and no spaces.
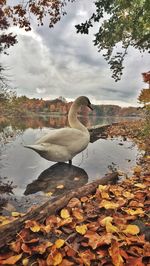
{"x":134,"y":212}
{"x":137,"y":169}
{"x":131,"y":229}
{"x":66,"y":263}
{"x":77,"y":214}
{"x":74,"y":202}
{"x":64,"y":214}
{"x":26,"y":249}
{"x":11,"y":260}
{"x":111,"y":228}
{"x":106,"y":220}
{"x":81,"y":229}
{"x":134,"y":262}
{"x":16,"y":214}
{"x":25,"y":262}
{"x":128,"y":195}
{"x":59,"y":243}
{"x":49,"y":194}
{"x":60,"y":186}
{"x":54,"y":260}
{"x":41,"y":248}
{"x":114,"y":252}
{"x":108,"y":204}
{"x":16,"y":246}
{"x":87,"y":256}
{"x":96,"y":240}
{"x":139,"y":185}
{"x":33,"y":225}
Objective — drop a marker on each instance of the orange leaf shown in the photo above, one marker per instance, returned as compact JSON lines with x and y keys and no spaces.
{"x":26,"y":249}
{"x":11,"y":260}
{"x":64,"y":214}
{"x":114,"y":252}
{"x":54,"y":260}
{"x":81,"y":229}
{"x":131,"y":229}
{"x":87,"y":256}
{"x":77,"y":214}
{"x":42,"y":247}
{"x":16,"y":246}
{"x":59,"y":243}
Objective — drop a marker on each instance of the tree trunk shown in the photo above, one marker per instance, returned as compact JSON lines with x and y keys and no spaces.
{"x":9,"y":231}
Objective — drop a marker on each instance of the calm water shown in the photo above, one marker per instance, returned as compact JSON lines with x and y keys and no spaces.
{"x":34,"y":176}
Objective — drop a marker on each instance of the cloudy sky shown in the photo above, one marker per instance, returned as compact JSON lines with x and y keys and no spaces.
{"x":48,"y":63}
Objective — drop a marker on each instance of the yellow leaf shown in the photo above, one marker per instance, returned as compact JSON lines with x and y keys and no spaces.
{"x":111,"y":228}
{"x":131,"y":229}
{"x":49,"y":194}
{"x":57,"y":259}
{"x":106,"y":220}
{"x":134,"y":212}
{"x":64,"y":214}
{"x":25,"y":262}
{"x":101,"y":187}
{"x":108,"y":204}
{"x":16,"y":214}
{"x":11,"y":260}
{"x":81,"y":229}
{"x":60,"y":186}
{"x":140,"y":185}
{"x":33,"y":225}
{"x":128,"y":195}
{"x":59,"y":243}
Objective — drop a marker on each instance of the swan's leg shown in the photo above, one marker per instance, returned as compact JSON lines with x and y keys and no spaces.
{"x":70,"y":162}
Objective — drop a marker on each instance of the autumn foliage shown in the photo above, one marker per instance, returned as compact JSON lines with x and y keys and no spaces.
{"x":109,"y":227}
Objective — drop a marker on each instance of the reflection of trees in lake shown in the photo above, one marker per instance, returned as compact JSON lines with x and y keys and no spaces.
{"x":60,"y":174}
{"x":23,"y":123}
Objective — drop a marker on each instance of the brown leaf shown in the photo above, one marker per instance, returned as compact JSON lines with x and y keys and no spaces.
{"x":74,"y":202}
{"x":66,"y":263}
{"x":16,"y":246}
{"x":96,"y":240}
{"x":26,"y":249}
{"x":134,"y":261}
{"x":11,"y":260}
{"x":78,"y":214}
{"x":42,"y":247}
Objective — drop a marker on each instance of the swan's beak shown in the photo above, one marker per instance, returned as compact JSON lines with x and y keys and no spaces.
{"x":90,"y":106}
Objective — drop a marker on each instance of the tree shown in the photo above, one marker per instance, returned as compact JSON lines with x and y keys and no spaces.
{"x":144,"y":98}
{"x":122,"y":23}
{"x":6,"y":40}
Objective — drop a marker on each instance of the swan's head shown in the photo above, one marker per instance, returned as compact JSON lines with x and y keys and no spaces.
{"x":83,"y":100}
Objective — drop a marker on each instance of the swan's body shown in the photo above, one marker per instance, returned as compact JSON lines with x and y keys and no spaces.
{"x":62,"y":145}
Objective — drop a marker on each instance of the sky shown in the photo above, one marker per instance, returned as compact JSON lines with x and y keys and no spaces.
{"x":48,"y":63}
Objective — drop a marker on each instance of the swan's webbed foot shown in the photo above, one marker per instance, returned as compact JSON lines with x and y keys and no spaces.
{"x":70,"y":162}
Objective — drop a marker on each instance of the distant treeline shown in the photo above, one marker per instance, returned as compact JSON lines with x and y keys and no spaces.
{"x":23,"y":105}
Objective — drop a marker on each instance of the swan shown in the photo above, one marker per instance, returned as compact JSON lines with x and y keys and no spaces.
{"x":61,"y":145}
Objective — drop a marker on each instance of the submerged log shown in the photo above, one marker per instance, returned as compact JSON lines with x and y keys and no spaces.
{"x":52,"y":206}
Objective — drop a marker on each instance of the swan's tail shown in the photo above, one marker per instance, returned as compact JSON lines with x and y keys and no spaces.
{"x":36,"y":147}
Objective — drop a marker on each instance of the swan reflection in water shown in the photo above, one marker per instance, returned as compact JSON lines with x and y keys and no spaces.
{"x":60,"y":174}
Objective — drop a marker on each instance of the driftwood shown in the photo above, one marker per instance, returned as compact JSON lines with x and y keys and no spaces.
{"x":9,"y":231}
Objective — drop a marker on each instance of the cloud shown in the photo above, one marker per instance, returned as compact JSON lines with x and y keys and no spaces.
{"x":53,"y":62}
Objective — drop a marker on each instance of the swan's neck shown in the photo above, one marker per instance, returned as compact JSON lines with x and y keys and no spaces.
{"x":74,"y":121}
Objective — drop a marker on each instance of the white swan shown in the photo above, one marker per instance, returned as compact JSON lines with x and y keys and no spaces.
{"x":63,"y":144}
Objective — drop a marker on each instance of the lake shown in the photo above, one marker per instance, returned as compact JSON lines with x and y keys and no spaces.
{"x":34,"y":178}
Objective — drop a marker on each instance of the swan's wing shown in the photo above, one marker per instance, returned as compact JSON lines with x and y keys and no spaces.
{"x":63,"y":137}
